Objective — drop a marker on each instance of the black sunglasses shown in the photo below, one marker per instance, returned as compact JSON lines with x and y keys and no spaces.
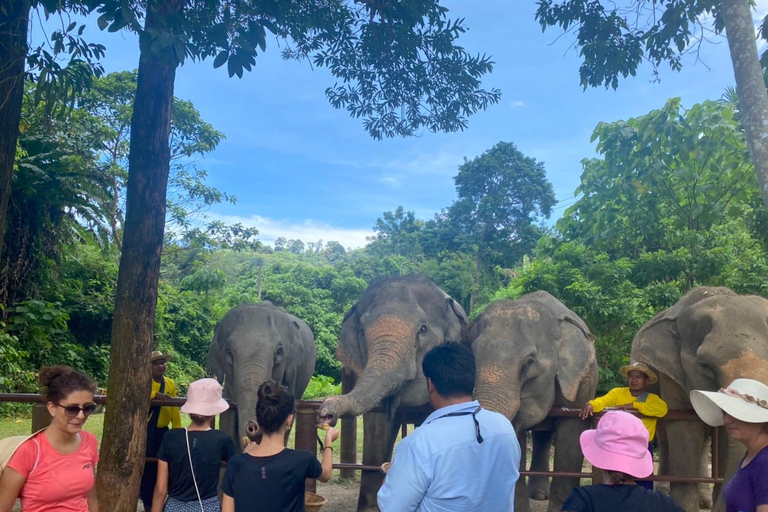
{"x":73,"y":410}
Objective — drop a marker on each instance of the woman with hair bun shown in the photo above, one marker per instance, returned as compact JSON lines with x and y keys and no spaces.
{"x":269,"y":477}
{"x":54,"y":470}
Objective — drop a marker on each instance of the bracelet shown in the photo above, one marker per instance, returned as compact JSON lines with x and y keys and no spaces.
{"x":328,"y":448}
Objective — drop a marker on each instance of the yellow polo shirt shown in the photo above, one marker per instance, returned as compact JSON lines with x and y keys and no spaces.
{"x":653,"y":407}
{"x":167,"y":414}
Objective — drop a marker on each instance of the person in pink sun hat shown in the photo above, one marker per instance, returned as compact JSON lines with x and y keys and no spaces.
{"x":618,"y":446}
{"x":189,"y":459}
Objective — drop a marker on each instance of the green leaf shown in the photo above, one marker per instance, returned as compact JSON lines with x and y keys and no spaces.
{"x":220,"y":59}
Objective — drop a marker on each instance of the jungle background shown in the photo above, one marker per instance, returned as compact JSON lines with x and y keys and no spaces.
{"x":670,"y":203}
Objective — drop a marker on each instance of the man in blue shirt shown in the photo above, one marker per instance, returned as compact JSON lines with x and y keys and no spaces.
{"x":463,"y":458}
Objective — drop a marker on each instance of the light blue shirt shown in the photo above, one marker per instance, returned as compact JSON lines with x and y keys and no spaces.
{"x":441,"y":467}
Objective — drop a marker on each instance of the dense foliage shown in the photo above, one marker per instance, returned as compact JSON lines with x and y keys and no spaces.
{"x":670,"y":202}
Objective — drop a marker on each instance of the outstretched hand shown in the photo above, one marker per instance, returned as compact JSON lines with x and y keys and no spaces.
{"x":587,"y":411}
{"x":331,"y":435}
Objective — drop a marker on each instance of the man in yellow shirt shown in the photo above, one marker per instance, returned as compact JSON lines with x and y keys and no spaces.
{"x":633,"y":397}
{"x":157,"y":422}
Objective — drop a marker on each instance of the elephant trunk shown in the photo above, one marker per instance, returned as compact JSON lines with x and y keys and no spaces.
{"x":246,"y":395}
{"x":391,"y":363}
{"x":496,"y":395}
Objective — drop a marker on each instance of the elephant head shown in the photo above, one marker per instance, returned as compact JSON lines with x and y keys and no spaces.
{"x":709,"y":338}
{"x":383,"y":340}
{"x":532,"y":353}
{"x":254,"y":343}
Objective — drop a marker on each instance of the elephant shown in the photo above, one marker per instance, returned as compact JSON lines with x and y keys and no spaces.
{"x":709,"y":338}
{"x":534,"y":353}
{"x":254,"y":343}
{"x":383,"y":340}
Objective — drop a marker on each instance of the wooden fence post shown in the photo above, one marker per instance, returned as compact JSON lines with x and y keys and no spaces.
{"x":40,"y":417}
{"x":306,"y":437}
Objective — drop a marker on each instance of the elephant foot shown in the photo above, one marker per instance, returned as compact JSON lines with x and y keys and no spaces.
{"x":539,"y":496}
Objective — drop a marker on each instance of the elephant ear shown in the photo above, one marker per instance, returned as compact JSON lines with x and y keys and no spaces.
{"x":576,"y":355}
{"x":455,"y":311}
{"x":657,"y":344}
{"x":349,"y":351}
{"x":213,"y":361}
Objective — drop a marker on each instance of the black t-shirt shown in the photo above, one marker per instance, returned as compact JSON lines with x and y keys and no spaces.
{"x":270,"y":484}
{"x":209,"y":448}
{"x":615,"y":498}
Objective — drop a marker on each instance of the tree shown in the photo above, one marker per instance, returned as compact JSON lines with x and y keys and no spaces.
{"x":400,"y":70}
{"x":397,"y":232}
{"x":614,"y":40}
{"x":501,"y":193}
{"x":57,"y":84}
{"x":664,"y":179}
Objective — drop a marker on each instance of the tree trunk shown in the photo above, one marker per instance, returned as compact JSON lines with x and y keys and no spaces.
{"x":739,"y":27}
{"x":125,"y":425}
{"x":14,"y":17}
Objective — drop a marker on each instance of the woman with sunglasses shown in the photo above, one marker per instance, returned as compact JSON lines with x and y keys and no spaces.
{"x":743,"y":408}
{"x":55,"y":469}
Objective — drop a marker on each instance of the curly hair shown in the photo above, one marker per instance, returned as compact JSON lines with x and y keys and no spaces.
{"x":275,"y":404}
{"x":58,"y":382}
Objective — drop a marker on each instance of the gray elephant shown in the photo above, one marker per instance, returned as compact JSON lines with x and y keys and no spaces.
{"x":709,"y":338}
{"x":383,"y":340}
{"x":254,"y":343}
{"x":534,"y":353}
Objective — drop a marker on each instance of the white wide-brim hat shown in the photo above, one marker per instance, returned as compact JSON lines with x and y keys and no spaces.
{"x":744,"y":399}
{"x":204,"y":398}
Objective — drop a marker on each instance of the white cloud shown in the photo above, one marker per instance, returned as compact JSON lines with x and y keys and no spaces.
{"x":391,"y":180}
{"x":309,"y":230}
{"x":516,"y":104}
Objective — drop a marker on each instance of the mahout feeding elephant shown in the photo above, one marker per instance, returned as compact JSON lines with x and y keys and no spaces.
{"x":709,"y":338}
{"x":383,"y":340}
{"x":534,"y":353}
{"x":254,"y":343}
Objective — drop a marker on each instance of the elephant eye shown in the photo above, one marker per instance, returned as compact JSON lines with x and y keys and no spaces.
{"x":423,"y":329}
{"x":362,"y":332}
{"x":528,"y":363}
{"x":229,"y":352}
{"x":279,"y":351}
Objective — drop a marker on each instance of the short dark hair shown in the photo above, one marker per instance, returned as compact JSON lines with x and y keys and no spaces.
{"x":58,"y":382}
{"x":451,"y":367}
{"x":200,"y":420}
{"x":275,"y":404}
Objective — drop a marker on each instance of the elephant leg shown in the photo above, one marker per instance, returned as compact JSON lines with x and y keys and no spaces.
{"x":541,"y":446}
{"x":662,"y":448}
{"x":568,"y":458}
{"x":379,"y":434}
{"x":522,"y":501}
{"x":705,"y":490}
{"x":686,"y":441}
{"x":228,"y":424}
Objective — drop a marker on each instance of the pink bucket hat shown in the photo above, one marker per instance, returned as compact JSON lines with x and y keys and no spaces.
{"x":620,"y":443}
{"x":204,"y":398}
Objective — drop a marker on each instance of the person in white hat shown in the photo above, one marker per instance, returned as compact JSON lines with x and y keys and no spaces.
{"x":619,"y":447}
{"x":189,"y":459}
{"x":743,"y":408}
{"x":634,"y":397}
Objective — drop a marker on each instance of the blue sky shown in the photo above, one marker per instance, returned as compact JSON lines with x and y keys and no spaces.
{"x":301,"y":169}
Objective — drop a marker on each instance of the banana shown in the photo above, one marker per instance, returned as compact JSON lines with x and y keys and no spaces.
{"x":323,"y":426}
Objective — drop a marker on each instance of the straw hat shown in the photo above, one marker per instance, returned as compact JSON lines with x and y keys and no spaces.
{"x":619,"y":443}
{"x":156,"y":354}
{"x":744,"y":399}
{"x":639,"y":367}
{"x":204,"y":398}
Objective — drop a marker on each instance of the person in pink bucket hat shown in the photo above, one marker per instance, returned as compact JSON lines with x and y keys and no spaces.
{"x":189,"y":459}
{"x":618,"y":446}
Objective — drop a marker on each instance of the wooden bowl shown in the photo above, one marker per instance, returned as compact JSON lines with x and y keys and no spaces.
{"x":313,"y":502}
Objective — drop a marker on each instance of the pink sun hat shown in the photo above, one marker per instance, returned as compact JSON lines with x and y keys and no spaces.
{"x":204,"y":398}
{"x":620,"y":443}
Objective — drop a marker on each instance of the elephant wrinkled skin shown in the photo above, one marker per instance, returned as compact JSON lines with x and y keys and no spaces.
{"x":383,"y":340}
{"x":709,"y":338}
{"x":254,"y":343}
{"x":534,"y":353}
